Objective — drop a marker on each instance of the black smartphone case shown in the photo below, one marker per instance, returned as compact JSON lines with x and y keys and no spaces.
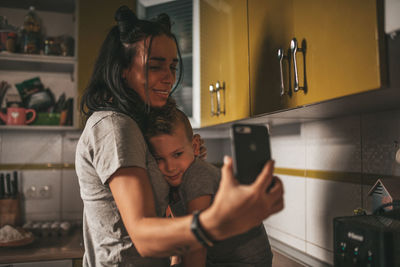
{"x":250,"y":150}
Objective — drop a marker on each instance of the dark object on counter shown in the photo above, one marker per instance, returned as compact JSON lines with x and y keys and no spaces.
{"x":14,"y":184}
{"x":8,"y":184}
{"x":367,"y":240}
{"x":2,"y":191}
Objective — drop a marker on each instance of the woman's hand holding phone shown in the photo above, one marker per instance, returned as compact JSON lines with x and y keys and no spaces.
{"x":239,"y":207}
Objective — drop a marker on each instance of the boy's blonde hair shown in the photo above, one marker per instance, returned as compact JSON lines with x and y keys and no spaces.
{"x":165,"y":121}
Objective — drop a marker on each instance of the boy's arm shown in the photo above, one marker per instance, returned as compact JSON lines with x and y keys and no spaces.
{"x":197,"y":258}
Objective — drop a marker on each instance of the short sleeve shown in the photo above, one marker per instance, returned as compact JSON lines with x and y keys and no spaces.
{"x":200,"y":179}
{"x":116,"y":142}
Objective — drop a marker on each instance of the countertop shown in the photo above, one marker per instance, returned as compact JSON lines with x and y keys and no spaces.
{"x":46,"y":249}
{"x":71,"y":247}
{"x":280,"y":260}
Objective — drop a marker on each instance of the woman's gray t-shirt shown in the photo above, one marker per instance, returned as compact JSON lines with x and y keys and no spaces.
{"x":110,"y":141}
{"x":251,"y":249}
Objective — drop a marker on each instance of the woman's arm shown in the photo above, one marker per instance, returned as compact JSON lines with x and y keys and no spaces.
{"x":197,"y":258}
{"x":152,"y":236}
{"x":236,"y":209}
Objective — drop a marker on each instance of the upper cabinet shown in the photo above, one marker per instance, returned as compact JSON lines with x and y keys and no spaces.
{"x":271,"y":28}
{"x":224,"y":82}
{"x":303,"y":52}
{"x":273,"y":55}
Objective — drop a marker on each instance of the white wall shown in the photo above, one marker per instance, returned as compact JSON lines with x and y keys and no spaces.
{"x":41,"y":148}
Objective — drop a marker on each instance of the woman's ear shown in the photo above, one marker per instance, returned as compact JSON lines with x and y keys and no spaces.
{"x":196,"y":145}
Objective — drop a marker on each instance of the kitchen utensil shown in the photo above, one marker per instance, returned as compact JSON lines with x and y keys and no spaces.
{"x":14,"y":184}
{"x":2,"y":191}
{"x":8,"y":185}
{"x":17,"y":116}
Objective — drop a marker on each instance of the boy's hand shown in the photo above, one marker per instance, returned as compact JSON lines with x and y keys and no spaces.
{"x":201,"y":150}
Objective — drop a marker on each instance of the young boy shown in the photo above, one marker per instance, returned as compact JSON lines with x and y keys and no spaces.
{"x":193,"y":184}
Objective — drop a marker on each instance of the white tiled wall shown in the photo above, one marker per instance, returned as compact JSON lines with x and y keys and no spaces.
{"x":363,"y":143}
{"x":44,"y":147}
{"x":333,"y":145}
{"x":380,"y":141}
{"x":291,"y":231}
{"x":33,"y":147}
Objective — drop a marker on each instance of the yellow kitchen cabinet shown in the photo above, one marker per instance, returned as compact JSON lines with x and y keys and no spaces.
{"x":270,"y":28}
{"x":343,"y":50}
{"x":223,"y":60}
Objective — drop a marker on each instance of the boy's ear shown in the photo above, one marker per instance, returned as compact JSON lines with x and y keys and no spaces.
{"x":196,"y":145}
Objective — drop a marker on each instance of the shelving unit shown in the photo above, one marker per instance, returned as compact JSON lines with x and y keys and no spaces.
{"x":26,"y":62}
{"x":36,"y":128}
{"x":58,"y":73}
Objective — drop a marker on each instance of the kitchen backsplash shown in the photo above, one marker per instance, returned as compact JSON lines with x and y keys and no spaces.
{"x":44,"y":161}
{"x":327,"y":167}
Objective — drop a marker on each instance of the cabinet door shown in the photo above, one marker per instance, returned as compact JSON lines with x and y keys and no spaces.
{"x":342,"y":48}
{"x":270,"y":28}
{"x":224,"y":58}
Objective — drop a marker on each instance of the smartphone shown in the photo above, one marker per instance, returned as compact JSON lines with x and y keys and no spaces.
{"x":250,"y":150}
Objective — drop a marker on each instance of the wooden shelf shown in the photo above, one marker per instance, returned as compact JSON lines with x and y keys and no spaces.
{"x":43,"y":63}
{"x":36,"y":128}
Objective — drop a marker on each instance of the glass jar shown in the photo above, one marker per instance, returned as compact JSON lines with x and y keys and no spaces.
{"x":11,"y":42}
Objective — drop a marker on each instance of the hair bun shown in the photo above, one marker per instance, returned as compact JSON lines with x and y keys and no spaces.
{"x":126,"y":20}
{"x":164,"y":20}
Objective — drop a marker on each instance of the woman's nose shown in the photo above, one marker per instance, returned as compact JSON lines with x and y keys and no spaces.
{"x":169,"y":77}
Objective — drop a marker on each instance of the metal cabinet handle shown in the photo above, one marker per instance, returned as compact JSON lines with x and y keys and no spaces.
{"x":218,"y":89}
{"x":294,"y":49}
{"x":281,"y":57}
{"x":211,"y":89}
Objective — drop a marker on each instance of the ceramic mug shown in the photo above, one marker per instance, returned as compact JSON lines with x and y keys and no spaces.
{"x":17,"y":116}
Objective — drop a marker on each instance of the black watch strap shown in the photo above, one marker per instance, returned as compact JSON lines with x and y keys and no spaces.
{"x":199,"y":232}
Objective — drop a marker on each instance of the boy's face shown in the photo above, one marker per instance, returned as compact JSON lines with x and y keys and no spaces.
{"x":173,"y":153}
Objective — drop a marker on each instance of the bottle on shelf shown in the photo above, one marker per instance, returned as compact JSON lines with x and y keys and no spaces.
{"x":32,"y":38}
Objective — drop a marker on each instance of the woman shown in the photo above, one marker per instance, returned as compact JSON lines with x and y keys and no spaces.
{"x":121,"y":187}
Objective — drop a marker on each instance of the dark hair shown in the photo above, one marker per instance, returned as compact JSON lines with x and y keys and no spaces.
{"x":106,"y":89}
{"x":165,"y":120}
